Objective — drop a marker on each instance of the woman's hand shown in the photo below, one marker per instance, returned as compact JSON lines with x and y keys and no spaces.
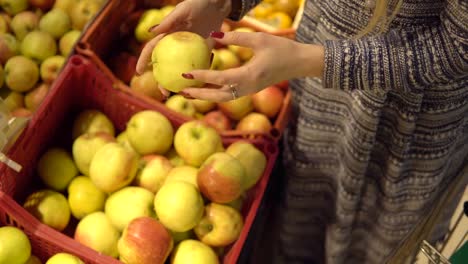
{"x":275,"y":59}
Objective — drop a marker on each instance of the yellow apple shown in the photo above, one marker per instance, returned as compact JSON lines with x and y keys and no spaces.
{"x":149,"y":18}
{"x":84,"y":197}
{"x":150,"y":132}
{"x":184,"y":173}
{"x":193,"y":252}
{"x":174,"y":158}
{"x":153,"y":172}
{"x":203,"y":106}
{"x":113,"y":167}
{"x":243,"y":53}
{"x":56,"y":168}
{"x":146,"y":84}
{"x":255,"y":122}
{"x":127,"y":204}
{"x":195,"y":141}
{"x":15,"y":247}
{"x":177,"y":53}
{"x":49,"y":207}
{"x":179,"y":206}
{"x":181,"y":105}
{"x":33,"y":260}
{"x":181,"y":236}
{"x":85,"y":147}
{"x":92,"y":121}
{"x":64,"y":258}
{"x":228,"y":59}
{"x":253,"y":160}
{"x":220,"y":226}
{"x":122,"y":138}
{"x":238,"y":108}
{"x":82,"y":12}
{"x":96,"y":231}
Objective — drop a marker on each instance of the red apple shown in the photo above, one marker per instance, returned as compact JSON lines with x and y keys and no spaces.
{"x":123,"y":66}
{"x":217,"y":120}
{"x":268,"y":101}
{"x":254,"y":122}
{"x":237,"y":109}
{"x":44,"y":5}
{"x":145,"y":241}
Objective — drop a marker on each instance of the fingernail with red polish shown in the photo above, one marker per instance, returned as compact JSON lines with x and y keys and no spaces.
{"x":187,"y":75}
{"x":186,"y":95}
{"x":217,"y":34}
{"x":153,"y":27}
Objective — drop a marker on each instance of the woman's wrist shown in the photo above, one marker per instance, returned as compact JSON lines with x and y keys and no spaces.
{"x":311,"y":60}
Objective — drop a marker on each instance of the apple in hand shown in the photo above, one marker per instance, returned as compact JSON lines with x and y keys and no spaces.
{"x":50,"y":68}
{"x":85,"y":147}
{"x":194,"y":252}
{"x":177,"y":53}
{"x":38,"y":45}
{"x":145,"y":241}
{"x":238,"y":108}
{"x":96,"y":231}
{"x":113,"y":167}
{"x":127,"y":204}
{"x":150,"y":132}
{"x":195,"y":141}
{"x":179,"y":206}
{"x":146,"y":84}
{"x":153,"y":172}
{"x":15,"y":247}
{"x":253,"y":160}
{"x":9,"y":47}
{"x":56,"y":22}
{"x":203,"y":106}
{"x":34,"y":98}
{"x":217,"y":120}
{"x":221,"y":178}
{"x":13,"y":7}
{"x":181,"y":105}
{"x":67,"y":41}
{"x":149,"y":18}
{"x":268,"y":101}
{"x":64,"y":258}
{"x":92,"y":121}
{"x":49,"y":207}
{"x":255,"y":122}
{"x":23,"y":23}
{"x":21,"y":73}
{"x":84,"y":197}
{"x":220,"y":226}
{"x":183,"y":173}
{"x":56,"y":168}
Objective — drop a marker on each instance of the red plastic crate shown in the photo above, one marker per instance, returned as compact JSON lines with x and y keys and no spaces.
{"x":114,"y":25}
{"x":83,"y":86}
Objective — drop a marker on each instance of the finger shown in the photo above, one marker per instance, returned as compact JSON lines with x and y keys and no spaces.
{"x":244,"y":39}
{"x":209,"y":94}
{"x":164,"y":92}
{"x":170,"y":23}
{"x":215,"y":77}
{"x":145,"y":56}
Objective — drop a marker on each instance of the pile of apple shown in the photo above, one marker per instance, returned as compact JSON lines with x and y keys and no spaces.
{"x":279,"y":14}
{"x":150,"y":193}
{"x":36,"y":37}
{"x":15,"y":248}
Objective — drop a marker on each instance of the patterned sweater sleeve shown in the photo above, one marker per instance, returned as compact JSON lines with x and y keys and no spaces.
{"x":241,"y":7}
{"x":407,"y":60}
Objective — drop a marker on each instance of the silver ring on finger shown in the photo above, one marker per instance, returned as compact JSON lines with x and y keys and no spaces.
{"x":233,"y":88}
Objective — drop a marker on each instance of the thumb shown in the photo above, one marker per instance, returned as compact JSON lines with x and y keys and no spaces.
{"x":244,"y":39}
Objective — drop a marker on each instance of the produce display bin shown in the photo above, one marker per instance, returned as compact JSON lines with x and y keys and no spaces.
{"x":111,"y":30}
{"x":83,"y":86}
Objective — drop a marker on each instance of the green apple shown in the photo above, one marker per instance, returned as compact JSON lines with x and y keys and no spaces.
{"x":195,"y":142}
{"x":145,"y":241}
{"x":92,"y":121}
{"x":49,"y":207}
{"x":9,"y":47}
{"x":13,"y":7}
{"x":56,"y":168}
{"x":150,"y":132}
{"x":181,"y":105}
{"x":146,"y":84}
{"x":12,"y":100}
{"x":84,"y":197}
{"x":228,"y":59}
{"x":183,"y":173}
{"x":113,"y":167}
{"x":15,"y":247}
{"x":221,"y":178}
{"x":56,"y":22}
{"x":64,"y":258}
{"x":38,"y":45}
{"x":179,"y":206}
{"x":253,"y":160}
{"x":238,"y":108}
{"x":34,"y":97}
{"x":194,"y":252}
{"x":82,"y":12}
{"x":67,"y":42}
{"x":220,"y":226}
{"x":153,"y":172}
{"x":51,"y":67}
{"x":23,"y":23}
{"x":85,"y":147}
{"x":21,"y":73}
{"x":177,"y":53}
{"x":96,"y":231}
{"x":33,"y":260}
{"x":203,"y":106}
{"x":127,"y":204}
{"x":148,"y":19}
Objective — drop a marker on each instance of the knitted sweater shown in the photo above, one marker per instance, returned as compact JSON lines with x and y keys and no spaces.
{"x":373,"y":144}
